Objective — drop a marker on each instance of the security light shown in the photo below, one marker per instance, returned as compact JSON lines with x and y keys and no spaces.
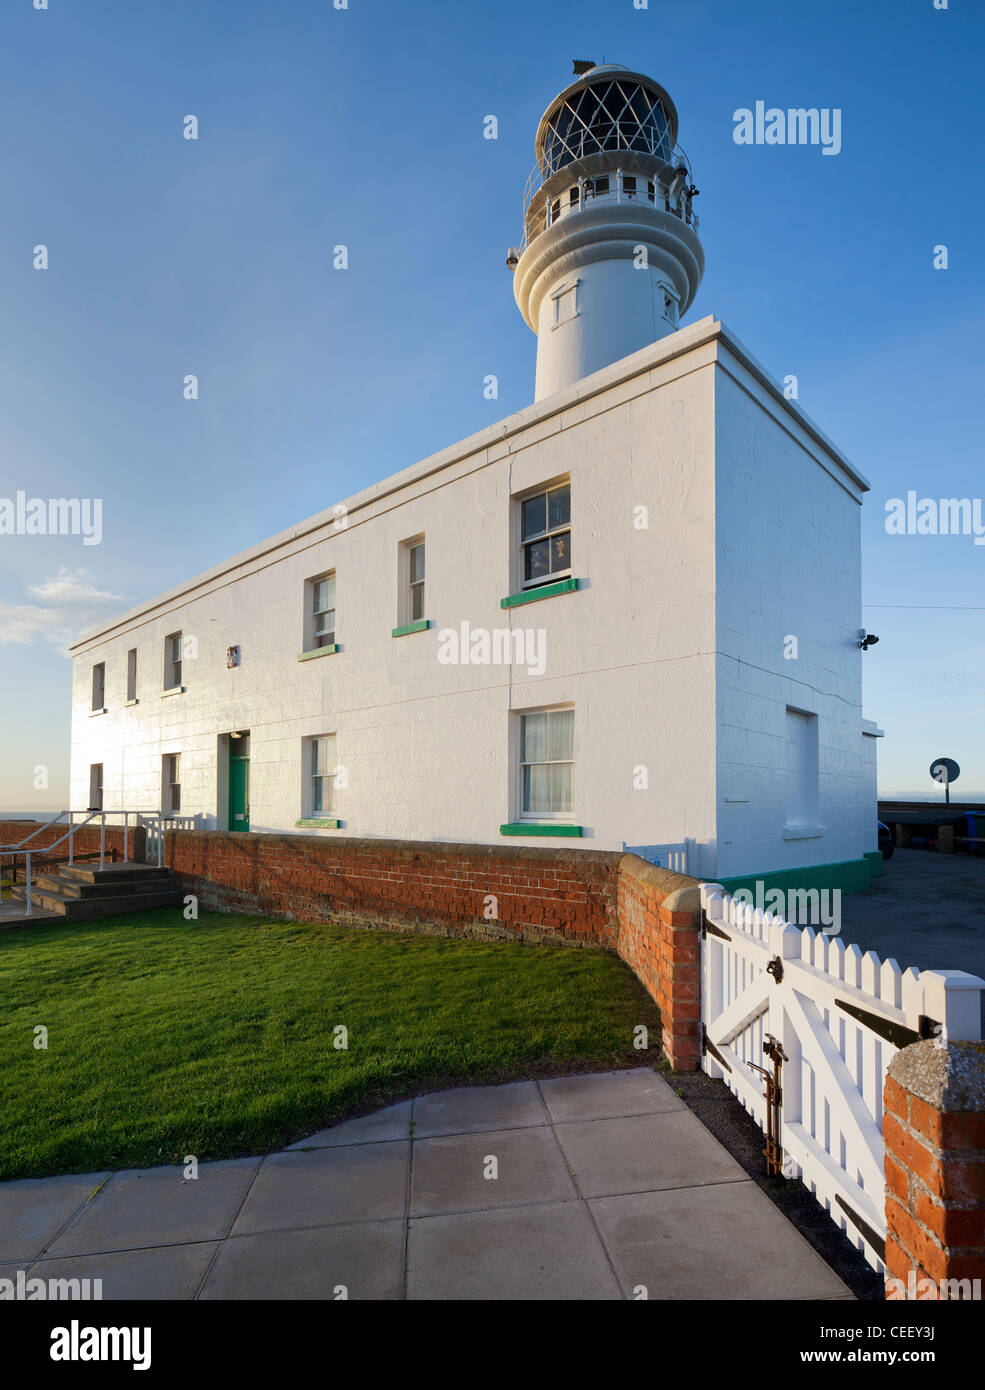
{"x":868,"y":640}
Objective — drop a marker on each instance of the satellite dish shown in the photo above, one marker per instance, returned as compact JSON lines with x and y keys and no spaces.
{"x":945,"y":771}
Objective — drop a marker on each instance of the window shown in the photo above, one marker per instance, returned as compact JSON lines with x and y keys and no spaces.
{"x":546,"y":764}
{"x":802,"y":764}
{"x":651,"y":191}
{"x":171,"y":783}
{"x":573,"y":196}
{"x":95,"y":787}
{"x":322,"y":612}
{"x":555,"y":209}
{"x":414,"y":569}
{"x":545,"y":536}
{"x":321,"y":774}
{"x":98,"y":686}
{"x":629,"y":185}
{"x":172,"y":661}
{"x":565,"y":302}
{"x":132,"y":674}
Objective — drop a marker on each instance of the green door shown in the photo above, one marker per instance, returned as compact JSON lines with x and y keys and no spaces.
{"x":239,"y":784}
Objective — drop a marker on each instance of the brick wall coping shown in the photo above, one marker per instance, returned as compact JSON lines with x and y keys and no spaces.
{"x":949,"y":1078}
{"x":681,"y":894}
{"x":383,"y":845}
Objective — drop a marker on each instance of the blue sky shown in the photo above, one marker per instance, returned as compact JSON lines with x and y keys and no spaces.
{"x":364,"y":127}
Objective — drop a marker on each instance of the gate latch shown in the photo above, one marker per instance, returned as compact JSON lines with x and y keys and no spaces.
{"x":775,"y":968}
{"x":774,"y":1098}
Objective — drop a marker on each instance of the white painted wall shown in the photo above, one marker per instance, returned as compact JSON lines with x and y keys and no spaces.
{"x":427,"y":747}
{"x":788,"y":566}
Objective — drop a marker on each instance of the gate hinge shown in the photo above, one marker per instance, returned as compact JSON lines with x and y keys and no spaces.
{"x":708,"y":1046}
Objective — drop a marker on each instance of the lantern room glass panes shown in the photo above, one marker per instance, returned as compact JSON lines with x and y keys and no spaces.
{"x":547,"y":763}
{"x":611,"y":114}
{"x":545,"y":536}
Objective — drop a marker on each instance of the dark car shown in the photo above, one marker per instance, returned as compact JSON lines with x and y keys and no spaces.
{"x":885,"y":840}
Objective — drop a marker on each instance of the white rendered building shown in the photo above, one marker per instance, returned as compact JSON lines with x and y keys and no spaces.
{"x":628,"y":615}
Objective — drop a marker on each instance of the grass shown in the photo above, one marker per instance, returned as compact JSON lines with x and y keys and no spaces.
{"x":215,"y":1037}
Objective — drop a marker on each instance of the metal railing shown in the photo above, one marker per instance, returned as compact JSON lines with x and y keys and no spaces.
{"x":666,"y":167}
{"x":154,"y":822}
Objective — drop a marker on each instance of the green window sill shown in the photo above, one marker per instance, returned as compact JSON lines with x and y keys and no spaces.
{"x":319,"y":651}
{"x":563,"y":586}
{"x":408,"y":628}
{"x":315,"y":823}
{"x":521,"y":827}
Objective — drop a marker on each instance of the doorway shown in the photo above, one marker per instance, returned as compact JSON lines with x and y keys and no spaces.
{"x":239,"y":781}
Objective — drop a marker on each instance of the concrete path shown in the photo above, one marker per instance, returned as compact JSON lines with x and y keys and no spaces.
{"x":605,"y":1185}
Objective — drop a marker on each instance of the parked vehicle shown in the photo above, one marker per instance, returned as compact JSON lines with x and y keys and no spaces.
{"x":885,"y":840}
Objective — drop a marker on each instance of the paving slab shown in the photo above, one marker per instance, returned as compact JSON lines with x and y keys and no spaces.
{"x":147,"y":1207}
{"x":532,"y":1252}
{"x":641,"y":1153}
{"x":608,"y":1095}
{"x":722,"y":1242}
{"x":393,"y":1122}
{"x":604,"y":1183}
{"x":360,"y":1182}
{"x":155,"y":1272}
{"x":365,"y":1260}
{"x":449,"y":1172}
{"x":473,"y":1109}
{"x":34,"y":1210}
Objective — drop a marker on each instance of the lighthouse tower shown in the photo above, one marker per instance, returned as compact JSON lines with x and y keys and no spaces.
{"x":610,"y":258}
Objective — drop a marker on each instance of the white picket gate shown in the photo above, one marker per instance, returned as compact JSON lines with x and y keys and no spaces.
{"x":839,"y":1017}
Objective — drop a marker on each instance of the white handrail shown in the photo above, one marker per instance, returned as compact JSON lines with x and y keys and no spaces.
{"x":147,"y":817}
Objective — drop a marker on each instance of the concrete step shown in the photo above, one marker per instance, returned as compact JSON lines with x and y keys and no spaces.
{"x":85,"y":909}
{"x":113,"y":873}
{"x":71,"y":886}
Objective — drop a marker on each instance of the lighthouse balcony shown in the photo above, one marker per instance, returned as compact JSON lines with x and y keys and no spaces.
{"x":663,"y":185}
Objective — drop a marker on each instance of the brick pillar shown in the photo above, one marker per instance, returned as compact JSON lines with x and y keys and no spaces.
{"x":934,"y":1128}
{"x":679,"y":977}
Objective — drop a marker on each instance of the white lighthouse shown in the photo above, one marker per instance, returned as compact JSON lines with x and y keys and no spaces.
{"x":610,"y":258}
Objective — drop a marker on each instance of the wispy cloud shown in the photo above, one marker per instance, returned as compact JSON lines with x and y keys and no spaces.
{"x":71,"y":604}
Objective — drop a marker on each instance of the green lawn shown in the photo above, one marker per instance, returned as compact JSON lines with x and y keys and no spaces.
{"x":215,"y":1037}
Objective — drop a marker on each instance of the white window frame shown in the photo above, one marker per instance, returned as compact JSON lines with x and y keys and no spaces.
{"x":407,"y":586}
{"x":311,"y":635}
{"x":172,"y":666}
{"x":95,"y":787}
{"x":97,"y":699}
{"x":560,"y":297}
{"x":541,"y":817}
{"x":171,"y":784}
{"x":309,"y":746}
{"x":521,"y":544}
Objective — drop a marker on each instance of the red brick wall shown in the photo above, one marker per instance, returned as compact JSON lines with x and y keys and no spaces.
{"x":660,"y":940}
{"x":85,"y":841}
{"x":934,"y":1128}
{"x":582,"y":897}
